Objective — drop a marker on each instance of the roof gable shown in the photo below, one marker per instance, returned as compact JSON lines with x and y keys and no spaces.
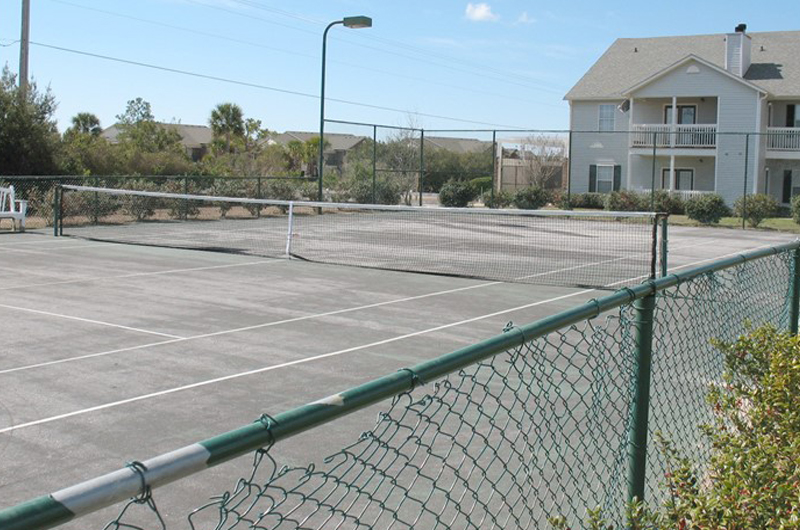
{"x":774,"y":68}
{"x":688,"y":59}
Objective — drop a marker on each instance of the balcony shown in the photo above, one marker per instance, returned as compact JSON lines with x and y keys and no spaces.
{"x":674,"y":136}
{"x":783,"y":139}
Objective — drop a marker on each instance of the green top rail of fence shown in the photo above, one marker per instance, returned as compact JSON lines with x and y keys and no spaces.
{"x":135,"y":480}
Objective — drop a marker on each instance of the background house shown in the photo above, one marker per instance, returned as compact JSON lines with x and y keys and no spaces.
{"x":693,"y":114}
{"x":337,"y":145}
{"x":196,"y":139}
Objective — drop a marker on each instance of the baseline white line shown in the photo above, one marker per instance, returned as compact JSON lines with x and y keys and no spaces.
{"x":89,"y":321}
{"x":282,"y":365}
{"x":139,"y":274}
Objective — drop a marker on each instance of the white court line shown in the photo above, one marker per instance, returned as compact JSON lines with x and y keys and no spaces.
{"x":282,"y":365}
{"x":264,"y":261}
{"x":317,"y":357}
{"x":48,"y":251}
{"x":89,"y":321}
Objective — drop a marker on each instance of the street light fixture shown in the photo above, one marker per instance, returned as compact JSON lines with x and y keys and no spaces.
{"x":356,"y":22}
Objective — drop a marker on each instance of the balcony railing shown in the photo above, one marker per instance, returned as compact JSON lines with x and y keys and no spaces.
{"x":783,"y":138}
{"x":680,"y":136}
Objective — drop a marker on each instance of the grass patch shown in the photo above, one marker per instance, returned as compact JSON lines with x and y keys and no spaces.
{"x":779,"y":224}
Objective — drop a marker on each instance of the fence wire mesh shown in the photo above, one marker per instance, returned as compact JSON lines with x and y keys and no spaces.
{"x":537,"y":431}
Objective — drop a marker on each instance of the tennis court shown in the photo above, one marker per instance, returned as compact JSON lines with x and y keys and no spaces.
{"x":113,"y":352}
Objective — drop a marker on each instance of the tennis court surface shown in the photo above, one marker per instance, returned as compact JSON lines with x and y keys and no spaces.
{"x":113,"y":353}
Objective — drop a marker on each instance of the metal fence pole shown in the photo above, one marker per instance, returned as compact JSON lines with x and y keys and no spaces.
{"x":569,"y":172}
{"x":421,"y":161}
{"x":664,"y":245}
{"x":744,"y":194}
{"x":185,"y":212}
{"x":637,"y":432}
{"x":494,"y":166}
{"x":374,"y":162}
{"x":96,"y":202}
{"x":258,"y":196}
{"x":653,"y":176}
{"x":56,"y":209}
{"x":794,"y":308}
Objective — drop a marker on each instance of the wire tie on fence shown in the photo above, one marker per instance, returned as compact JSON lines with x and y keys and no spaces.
{"x":632,"y":294}
{"x":596,"y":305}
{"x":140,"y":469}
{"x":510,"y":326}
{"x":416,"y":380}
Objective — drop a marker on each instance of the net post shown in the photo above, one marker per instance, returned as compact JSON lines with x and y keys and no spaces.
{"x":421,"y":162}
{"x":638,"y":422}
{"x":794,"y":308}
{"x":56,"y":209}
{"x":664,"y":245}
{"x":290,"y":229}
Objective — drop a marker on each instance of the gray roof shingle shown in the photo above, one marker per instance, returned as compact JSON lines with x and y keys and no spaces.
{"x":775,"y":63}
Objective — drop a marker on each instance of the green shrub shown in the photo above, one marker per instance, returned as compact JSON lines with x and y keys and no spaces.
{"x":501,"y":199}
{"x":140,"y":208}
{"x":586,"y":200}
{"x":665,"y":202}
{"x":456,"y":194}
{"x":707,"y":209}
{"x":385,"y":192}
{"x":796,"y":208}
{"x":531,"y":198}
{"x":755,"y":208}
{"x":480,"y":186}
{"x":624,"y":201}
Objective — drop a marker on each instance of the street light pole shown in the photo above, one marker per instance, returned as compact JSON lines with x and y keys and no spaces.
{"x":348,"y":22}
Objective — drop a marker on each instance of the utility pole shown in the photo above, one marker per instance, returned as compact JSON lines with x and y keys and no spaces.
{"x":24,"y":43}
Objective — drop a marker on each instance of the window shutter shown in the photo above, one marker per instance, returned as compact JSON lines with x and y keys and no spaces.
{"x":677,"y":179}
{"x":790,"y":115}
{"x":787,"y":186}
{"x":617,"y":177}
{"x":592,"y":178}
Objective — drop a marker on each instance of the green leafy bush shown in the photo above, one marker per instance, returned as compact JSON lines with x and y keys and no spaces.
{"x":385,"y":192}
{"x":624,"y":201}
{"x":456,"y":194}
{"x":755,"y":208}
{"x":501,"y":199}
{"x":140,"y":208}
{"x":531,"y":198}
{"x":586,"y":200}
{"x":796,"y":208}
{"x":707,"y":209}
{"x":665,"y":202}
{"x":481,"y":185}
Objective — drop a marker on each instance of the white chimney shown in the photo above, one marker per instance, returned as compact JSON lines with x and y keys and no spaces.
{"x":737,"y":51}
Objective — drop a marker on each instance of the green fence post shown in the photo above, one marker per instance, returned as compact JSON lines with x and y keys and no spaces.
{"x":664,"y":245}
{"x":653,"y":176}
{"x":421,"y":162}
{"x":494,"y":165}
{"x":185,"y":212}
{"x":794,"y":308}
{"x":569,"y":172}
{"x":258,"y":196}
{"x":374,"y":161}
{"x":637,"y":431}
{"x":744,"y":194}
{"x":96,"y":203}
{"x":56,"y":209}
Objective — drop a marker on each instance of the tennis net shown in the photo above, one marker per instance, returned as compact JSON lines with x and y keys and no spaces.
{"x":593,"y":249}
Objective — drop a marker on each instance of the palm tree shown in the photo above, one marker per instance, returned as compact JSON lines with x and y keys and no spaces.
{"x":86,"y":123}
{"x":227,"y":120}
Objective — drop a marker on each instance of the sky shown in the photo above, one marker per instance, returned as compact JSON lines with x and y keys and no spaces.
{"x":435,"y":64}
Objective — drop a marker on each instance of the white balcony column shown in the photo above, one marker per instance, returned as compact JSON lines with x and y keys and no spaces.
{"x":672,"y":173}
{"x":674,"y":124}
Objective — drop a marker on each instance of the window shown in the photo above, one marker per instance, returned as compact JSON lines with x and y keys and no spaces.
{"x":786,"y":196}
{"x":792,"y":119}
{"x":687,"y":114}
{"x":607,"y":117}
{"x":684,"y":179}
{"x":605,"y":179}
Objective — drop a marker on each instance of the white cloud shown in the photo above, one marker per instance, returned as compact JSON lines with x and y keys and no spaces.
{"x":481,"y":13}
{"x":524,"y":18}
